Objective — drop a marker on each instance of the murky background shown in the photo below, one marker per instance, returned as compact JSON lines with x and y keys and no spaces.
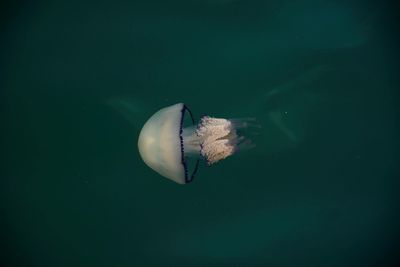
{"x":78,"y":80}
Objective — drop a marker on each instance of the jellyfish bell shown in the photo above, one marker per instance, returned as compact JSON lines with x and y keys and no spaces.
{"x":160,"y":143}
{"x":167,"y":144}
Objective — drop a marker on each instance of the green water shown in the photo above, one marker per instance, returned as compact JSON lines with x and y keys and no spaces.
{"x":78,"y":79}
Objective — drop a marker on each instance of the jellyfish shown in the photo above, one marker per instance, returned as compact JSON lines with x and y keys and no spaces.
{"x":169,"y":140}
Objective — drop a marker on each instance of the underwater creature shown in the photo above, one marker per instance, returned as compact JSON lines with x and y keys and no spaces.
{"x":173,"y":146}
{"x":166,"y":145}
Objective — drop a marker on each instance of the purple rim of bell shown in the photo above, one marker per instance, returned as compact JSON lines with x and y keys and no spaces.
{"x":188,"y":178}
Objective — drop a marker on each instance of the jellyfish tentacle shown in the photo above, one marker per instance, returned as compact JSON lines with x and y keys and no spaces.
{"x":240,"y":123}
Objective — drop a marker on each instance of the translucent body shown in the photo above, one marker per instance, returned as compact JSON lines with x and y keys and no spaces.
{"x":159,"y":143}
{"x":165,"y":146}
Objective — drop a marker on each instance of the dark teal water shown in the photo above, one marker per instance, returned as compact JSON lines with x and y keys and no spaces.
{"x":78,"y":80}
